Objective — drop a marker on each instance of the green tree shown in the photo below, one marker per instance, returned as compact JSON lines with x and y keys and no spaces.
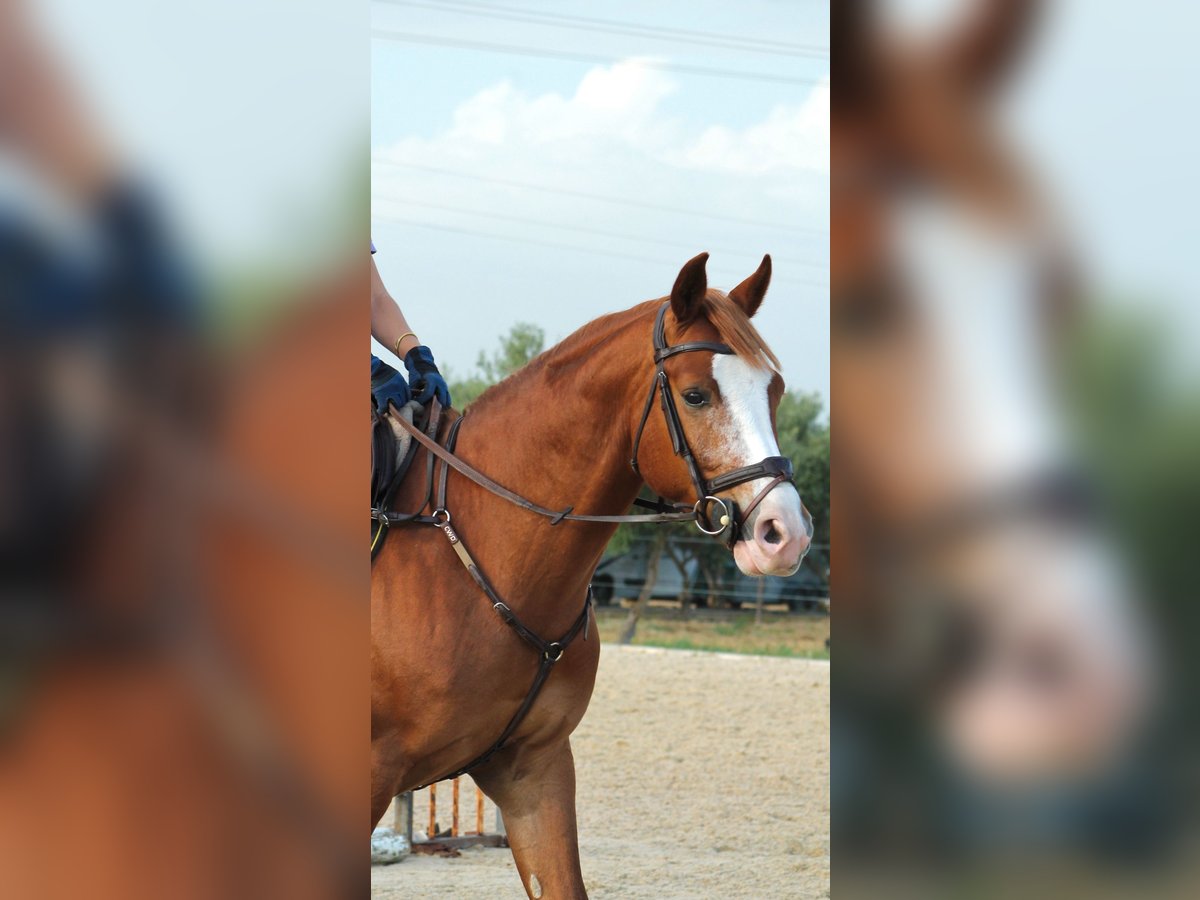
{"x":522,"y":343}
{"x":804,"y":439}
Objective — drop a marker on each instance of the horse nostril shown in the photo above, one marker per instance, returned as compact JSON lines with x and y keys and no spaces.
{"x":772,"y":535}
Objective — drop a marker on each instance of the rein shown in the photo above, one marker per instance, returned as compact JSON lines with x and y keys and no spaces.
{"x":679,"y":513}
{"x":776,"y":468}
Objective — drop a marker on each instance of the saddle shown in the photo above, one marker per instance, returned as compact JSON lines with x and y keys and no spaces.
{"x":392,"y":453}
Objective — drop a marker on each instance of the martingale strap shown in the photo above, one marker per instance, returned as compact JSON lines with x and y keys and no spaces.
{"x":549,"y":652}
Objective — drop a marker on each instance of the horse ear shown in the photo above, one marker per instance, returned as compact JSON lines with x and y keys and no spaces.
{"x":749,"y":294}
{"x":855,"y":57}
{"x":690,"y":287}
{"x":990,"y":41}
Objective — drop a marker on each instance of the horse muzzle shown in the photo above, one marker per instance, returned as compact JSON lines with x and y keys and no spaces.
{"x":775,"y":541}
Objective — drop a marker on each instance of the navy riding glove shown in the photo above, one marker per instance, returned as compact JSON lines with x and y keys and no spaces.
{"x":424,"y":378}
{"x":387,"y":385}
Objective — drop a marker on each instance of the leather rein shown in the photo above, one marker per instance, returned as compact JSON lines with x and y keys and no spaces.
{"x":730,"y":521}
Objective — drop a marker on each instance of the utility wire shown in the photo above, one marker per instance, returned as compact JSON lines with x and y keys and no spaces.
{"x":619,"y":201}
{"x":542,"y":53}
{"x":515,"y":239}
{"x":613,"y":26}
{"x":582,"y":229}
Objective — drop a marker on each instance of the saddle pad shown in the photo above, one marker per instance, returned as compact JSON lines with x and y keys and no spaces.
{"x":409,"y":411}
{"x":389,"y":447}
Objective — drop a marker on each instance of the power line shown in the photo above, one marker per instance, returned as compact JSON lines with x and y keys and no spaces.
{"x":561,"y":226}
{"x":470,"y":232}
{"x":619,"y":201}
{"x":613,"y":26}
{"x":452,"y":229}
{"x":542,"y":53}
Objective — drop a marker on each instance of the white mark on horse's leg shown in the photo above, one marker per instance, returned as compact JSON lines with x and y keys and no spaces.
{"x":535,"y":886}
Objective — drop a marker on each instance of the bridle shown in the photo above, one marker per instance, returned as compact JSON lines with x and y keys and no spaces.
{"x":776,"y":468}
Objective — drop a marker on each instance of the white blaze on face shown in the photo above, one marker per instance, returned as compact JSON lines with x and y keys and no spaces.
{"x":746,"y":437}
{"x":1065,"y":672}
{"x":974,"y":284}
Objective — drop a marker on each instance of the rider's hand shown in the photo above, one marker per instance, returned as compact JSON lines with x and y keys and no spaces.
{"x":387,"y":385}
{"x":424,"y":378}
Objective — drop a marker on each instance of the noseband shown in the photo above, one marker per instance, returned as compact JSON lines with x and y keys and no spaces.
{"x":777,"y":468}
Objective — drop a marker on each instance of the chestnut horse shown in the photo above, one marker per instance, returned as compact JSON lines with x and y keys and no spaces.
{"x":447,"y":672}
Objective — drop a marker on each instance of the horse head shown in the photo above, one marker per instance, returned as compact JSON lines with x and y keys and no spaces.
{"x":947,"y":294}
{"x":718,"y":387}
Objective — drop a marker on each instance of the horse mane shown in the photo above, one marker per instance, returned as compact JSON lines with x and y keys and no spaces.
{"x":574,"y":346}
{"x":736,"y":330}
{"x":731,"y":322}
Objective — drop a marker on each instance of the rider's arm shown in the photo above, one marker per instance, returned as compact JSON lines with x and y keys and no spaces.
{"x":388,"y":324}
{"x":390,"y":328}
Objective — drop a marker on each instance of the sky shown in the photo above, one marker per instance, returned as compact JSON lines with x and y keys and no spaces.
{"x":527,"y":171}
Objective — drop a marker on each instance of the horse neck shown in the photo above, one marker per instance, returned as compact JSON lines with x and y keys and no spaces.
{"x":560,"y":433}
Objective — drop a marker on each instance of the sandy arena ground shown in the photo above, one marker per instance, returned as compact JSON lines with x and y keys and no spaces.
{"x":700,"y":775}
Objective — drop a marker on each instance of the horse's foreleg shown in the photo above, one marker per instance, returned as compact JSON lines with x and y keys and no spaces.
{"x":385,"y":776}
{"x":536,"y":795}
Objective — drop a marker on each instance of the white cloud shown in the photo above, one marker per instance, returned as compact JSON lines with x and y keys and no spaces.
{"x":791,"y":137}
{"x":617,"y":103}
{"x":617,"y":112}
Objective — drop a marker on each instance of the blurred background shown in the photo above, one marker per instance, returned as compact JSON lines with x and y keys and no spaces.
{"x":183,"y":569}
{"x":1013,"y":365}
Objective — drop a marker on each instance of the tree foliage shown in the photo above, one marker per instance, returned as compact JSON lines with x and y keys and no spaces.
{"x":523,"y":342}
{"x":804,"y":439}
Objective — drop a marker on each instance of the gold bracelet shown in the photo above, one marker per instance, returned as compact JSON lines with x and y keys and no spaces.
{"x":396,"y":346}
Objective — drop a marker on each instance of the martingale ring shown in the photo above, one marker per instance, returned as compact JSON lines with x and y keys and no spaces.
{"x":444,"y":513}
{"x":702,"y":517}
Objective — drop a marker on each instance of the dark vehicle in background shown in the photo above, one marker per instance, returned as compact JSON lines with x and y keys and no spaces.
{"x":680,"y":576}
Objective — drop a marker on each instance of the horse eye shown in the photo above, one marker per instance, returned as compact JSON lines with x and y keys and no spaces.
{"x":868,"y":309}
{"x":694,"y":398}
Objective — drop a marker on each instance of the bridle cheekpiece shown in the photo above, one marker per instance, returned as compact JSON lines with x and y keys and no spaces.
{"x":777,"y":468}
